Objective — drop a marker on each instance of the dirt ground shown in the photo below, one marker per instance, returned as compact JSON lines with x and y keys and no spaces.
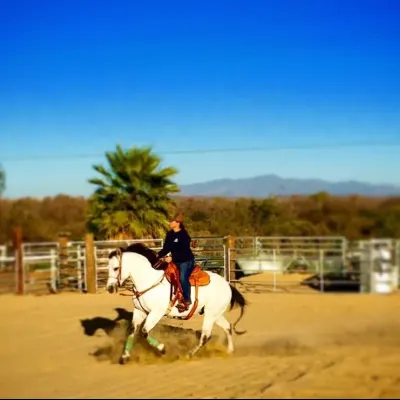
{"x":296,"y":346}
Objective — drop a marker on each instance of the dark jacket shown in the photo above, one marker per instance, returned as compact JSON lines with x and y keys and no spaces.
{"x":178,"y":244}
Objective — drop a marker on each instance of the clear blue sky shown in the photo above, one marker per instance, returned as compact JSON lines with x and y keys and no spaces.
{"x":80,"y":76}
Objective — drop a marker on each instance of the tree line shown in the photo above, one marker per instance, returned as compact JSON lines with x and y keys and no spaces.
{"x":134,"y":195}
{"x":354,"y":217}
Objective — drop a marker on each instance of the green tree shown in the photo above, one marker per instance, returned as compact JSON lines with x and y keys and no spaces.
{"x":132,"y":198}
{"x":2,"y":180}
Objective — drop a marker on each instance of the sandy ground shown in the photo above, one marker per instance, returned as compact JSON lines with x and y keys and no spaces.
{"x":297,"y":346}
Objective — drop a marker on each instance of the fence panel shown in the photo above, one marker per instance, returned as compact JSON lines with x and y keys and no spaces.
{"x":40,"y":264}
{"x":8,"y":277}
{"x":379,"y":265}
{"x":260,"y":263}
{"x":291,"y":263}
{"x":210,"y":253}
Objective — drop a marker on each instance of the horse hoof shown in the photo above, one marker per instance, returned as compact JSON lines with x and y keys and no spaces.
{"x":161,"y":349}
{"x":123,"y":360}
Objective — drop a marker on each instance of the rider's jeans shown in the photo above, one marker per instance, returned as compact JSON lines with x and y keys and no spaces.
{"x":185,"y":269}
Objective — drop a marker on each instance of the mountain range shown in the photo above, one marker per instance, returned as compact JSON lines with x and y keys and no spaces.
{"x":273,"y":185}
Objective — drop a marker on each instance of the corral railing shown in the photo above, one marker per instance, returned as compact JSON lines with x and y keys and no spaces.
{"x":297,"y":264}
{"x":379,"y":263}
{"x":259,"y":263}
{"x":8,"y":278}
{"x":210,"y":253}
{"x":61,"y":266}
{"x":288,"y":263}
{"x":39,"y":267}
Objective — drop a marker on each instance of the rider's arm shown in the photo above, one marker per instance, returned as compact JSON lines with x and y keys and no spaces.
{"x":167,"y":246}
{"x":186,"y":238}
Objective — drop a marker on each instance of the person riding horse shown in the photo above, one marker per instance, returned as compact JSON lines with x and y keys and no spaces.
{"x":177,"y":242}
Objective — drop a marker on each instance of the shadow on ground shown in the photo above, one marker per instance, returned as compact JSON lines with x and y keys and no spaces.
{"x":178,"y":341}
{"x":333,"y":282}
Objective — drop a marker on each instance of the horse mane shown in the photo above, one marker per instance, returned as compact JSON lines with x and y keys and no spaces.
{"x":138,"y":248}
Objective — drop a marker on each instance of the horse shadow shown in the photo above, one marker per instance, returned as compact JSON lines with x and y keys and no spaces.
{"x":335,"y":282}
{"x":178,"y":341}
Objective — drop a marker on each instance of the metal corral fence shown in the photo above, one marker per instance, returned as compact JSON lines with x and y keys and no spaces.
{"x":379,"y":263}
{"x":61,"y":266}
{"x":275,"y":264}
{"x":322,"y":264}
{"x":38,"y":272}
{"x":8,"y":278}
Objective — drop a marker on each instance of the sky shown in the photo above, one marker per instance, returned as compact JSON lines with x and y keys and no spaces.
{"x":306,"y":89}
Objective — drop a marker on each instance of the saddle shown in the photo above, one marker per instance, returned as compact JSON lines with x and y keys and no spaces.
{"x":197,"y":278}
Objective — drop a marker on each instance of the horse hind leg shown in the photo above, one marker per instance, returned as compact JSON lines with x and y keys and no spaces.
{"x":227,"y":328}
{"x":206,"y":331}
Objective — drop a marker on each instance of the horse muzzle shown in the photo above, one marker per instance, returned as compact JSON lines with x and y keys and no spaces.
{"x":112,"y":288}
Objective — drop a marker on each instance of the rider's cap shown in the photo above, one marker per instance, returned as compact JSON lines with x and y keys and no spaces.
{"x":178,"y":218}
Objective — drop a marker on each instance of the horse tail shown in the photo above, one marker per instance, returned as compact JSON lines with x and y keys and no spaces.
{"x":238,"y":299}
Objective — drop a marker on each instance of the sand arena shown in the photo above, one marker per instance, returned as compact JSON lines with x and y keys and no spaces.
{"x":297,"y":346}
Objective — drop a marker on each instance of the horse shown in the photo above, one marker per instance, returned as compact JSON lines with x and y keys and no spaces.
{"x":152,"y":298}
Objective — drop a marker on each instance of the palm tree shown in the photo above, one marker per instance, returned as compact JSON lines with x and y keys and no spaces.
{"x":132,"y":199}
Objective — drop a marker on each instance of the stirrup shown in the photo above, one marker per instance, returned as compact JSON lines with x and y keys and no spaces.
{"x":184,"y":306}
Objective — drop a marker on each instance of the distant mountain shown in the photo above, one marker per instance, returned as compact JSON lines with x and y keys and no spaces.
{"x":269,"y":185}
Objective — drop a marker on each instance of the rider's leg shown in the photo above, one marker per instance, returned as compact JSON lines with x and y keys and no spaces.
{"x":185,"y":270}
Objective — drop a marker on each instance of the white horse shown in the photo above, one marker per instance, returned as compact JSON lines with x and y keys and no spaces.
{"x":151,"y":298}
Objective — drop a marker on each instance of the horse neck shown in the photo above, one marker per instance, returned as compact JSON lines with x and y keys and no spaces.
{"x":139,"y":269}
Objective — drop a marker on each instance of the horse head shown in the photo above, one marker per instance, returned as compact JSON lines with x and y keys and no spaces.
{"x":136,"y":261}
{"x":114,"y":270}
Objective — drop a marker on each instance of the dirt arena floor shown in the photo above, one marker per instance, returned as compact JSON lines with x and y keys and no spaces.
{"x":296,"y":346}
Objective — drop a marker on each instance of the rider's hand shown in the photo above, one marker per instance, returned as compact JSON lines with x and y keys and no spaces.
{"x":168,"y":259}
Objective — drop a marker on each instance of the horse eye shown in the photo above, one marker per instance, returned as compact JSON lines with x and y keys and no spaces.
{"x":115,"y":268}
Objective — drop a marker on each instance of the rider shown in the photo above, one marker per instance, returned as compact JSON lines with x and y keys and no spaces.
{"x":177,"y":242}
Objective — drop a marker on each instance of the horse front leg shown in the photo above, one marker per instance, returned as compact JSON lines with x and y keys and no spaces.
{"x":152,"y":320}
{"x":137,"y":319}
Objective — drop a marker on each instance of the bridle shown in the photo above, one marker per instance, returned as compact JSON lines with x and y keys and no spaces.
{"x":136,"y":293}
{"x":119,"y":257}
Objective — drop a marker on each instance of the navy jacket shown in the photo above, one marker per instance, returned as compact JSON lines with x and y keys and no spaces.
{"x":178,"y":244}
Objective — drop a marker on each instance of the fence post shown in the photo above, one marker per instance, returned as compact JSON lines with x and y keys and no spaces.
{"x":321,"y":270}
{"x":53,"y":270}
{"x":90,"y":263}
{"x":397,"y":262}
{"x":230,"y":257}
{"x":79,"y":266}
{"x":19,"y":262}
{"x":63,"y":250}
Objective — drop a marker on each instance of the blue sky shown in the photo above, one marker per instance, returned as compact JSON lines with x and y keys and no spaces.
{"x":78,"y":77}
